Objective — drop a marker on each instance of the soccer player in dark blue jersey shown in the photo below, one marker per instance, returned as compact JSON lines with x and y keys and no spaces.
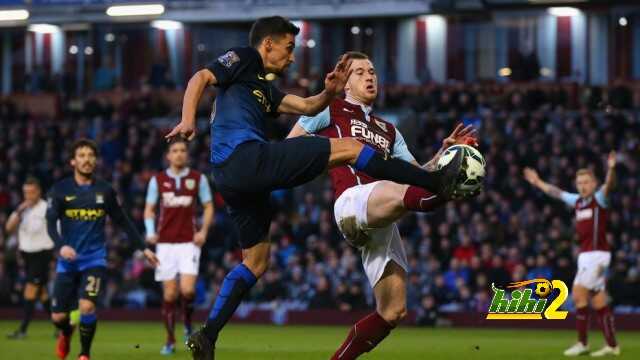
{"x":246,"y":167}
{"x":80,"y":205}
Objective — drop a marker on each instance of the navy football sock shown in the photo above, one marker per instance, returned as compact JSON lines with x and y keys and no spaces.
{"x":234,"y":287}
{"x":87,"y":329}
{"x":400,"y":171}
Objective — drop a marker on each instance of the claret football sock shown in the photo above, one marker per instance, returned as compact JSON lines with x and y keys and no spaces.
{"x":605,"y":318}
{"x":187,"y":312}
{"x":582,"y":324}
{"x":420,"y":200}
{"x":364,"y":336}
{"x":169,"y":319}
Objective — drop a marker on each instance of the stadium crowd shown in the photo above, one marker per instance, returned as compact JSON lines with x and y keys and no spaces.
{"x":509,"y":232}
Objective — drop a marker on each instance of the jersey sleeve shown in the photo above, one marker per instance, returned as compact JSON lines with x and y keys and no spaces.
{"x":400,"y":149}
{"x":602,"y":199}
{"x":228,"y":67}
{"x":54,"y":208}
{"x":117,"y":214}
{"x":152,"y":192}
{"x":313,"y":124}
{"x":204,"y":190}
{"x":569,"y":198}
{"x":276,"y":97}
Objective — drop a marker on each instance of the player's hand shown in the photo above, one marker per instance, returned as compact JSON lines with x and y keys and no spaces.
{"x":185,"y":129}
{"x":461,"y":135}
{"x":335,"y":81}
{"x":531,"y":176}
{"x":151,"y":257}
{"x":67,"y":253}
{"x":199,"y":238}
{"x":611,"y":159}
{"x":152,"y":239}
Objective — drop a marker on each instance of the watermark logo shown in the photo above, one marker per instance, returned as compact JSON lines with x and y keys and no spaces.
{"x":522,"y":305}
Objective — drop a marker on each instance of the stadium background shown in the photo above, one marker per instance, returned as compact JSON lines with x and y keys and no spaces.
{"x":553,"y":88}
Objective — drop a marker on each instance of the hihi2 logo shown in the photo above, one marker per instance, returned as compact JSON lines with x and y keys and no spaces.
{"x":522,"y":306}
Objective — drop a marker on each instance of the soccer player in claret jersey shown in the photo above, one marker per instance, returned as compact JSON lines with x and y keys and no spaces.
{"x":174,"y":191}
{"x":81,"y":203}
{"x":591,"y":215}
{"x":366,"y":209}
{"x":246,"y":167}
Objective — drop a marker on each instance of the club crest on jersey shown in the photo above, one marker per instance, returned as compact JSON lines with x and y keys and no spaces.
{"x":166,"y":184}
{"x":228,"y":59}
{"x":99,"y":199}
{"x":190,"y":184}
{"x":381,"y":125}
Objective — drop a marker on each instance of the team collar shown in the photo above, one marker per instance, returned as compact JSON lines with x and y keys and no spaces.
{"x":366,"y":109}
{"x":182,"y":173}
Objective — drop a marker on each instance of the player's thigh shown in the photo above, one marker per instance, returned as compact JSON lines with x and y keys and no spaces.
{"x":251,"y":214}
{"x":599,"y":300}
{"x":391,"y":292}
{"x":580,"y":295}
{"x":92,"y":284}
{"x":295,"y":161}
{"x":385,"y":204}
{"x":65,"y":292}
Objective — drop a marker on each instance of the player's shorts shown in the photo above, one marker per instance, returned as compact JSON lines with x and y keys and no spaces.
{"x":245,"y":179}
{"x":592,"y":269}
{"x":37,"y":266}
{"x":177,"y":258}
{"x":70,"y":286}
{"x":384,"y":244}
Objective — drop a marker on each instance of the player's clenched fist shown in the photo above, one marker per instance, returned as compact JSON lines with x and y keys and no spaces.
{"x":151,"y":257}
{"x":67,"y":253}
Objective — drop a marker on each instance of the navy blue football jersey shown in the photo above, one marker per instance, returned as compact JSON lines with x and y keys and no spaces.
{"x":245,"y":101}
{"x":82,"y":211}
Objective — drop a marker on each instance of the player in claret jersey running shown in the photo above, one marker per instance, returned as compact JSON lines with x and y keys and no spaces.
{"x":591,"y":216}
{"x":246,"y":167}
{"x":366,"y":209}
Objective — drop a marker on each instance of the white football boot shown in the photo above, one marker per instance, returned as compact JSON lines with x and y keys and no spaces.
{"x":577,"y":349}
{"x":607,"y":350}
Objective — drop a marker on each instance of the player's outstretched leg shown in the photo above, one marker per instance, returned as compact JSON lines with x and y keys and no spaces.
{"x":235,"y":286}
{"x":367,"y":333}
{"x":365,"y":158}
{"x":87,"y":327}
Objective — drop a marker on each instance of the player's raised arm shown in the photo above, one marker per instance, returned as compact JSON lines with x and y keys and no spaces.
{"x":334,"y":83}
{"x":610,"y":179}
{"x":198,"y":82}
{"x":117,"y":214}
{"x":534,"y":179}
{"x":460,"y":135}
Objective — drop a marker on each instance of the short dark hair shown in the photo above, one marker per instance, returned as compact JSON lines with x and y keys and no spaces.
{"x":356,"y":55}
{"x":32,"y":180}
{"x":80,"y":143}
{"x":177,"y":140}
{"x":270,"y":26}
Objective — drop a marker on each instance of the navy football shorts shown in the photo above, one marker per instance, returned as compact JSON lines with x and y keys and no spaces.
{"x":247,"y":177}
{"x":68,"y":287}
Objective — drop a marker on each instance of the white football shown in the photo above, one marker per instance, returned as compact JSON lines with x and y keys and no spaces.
{"x":472,"y":171}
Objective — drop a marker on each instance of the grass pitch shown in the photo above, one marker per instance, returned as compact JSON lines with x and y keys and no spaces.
{"x":131,"y":341}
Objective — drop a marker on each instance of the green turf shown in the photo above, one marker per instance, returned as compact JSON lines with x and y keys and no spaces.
{"x":118,"y":340}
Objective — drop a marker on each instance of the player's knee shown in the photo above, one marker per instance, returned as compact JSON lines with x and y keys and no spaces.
{"x":188,"y":293}
{"x":257,"y":266}
{"x":394,"y":314}
{"x":87,"y":307}
{"x":58,"y":317}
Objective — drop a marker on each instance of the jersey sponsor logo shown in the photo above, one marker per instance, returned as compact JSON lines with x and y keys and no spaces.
{"x":84,"y":214}
{"x":69,"y":198}
{"x":584,"y":214}
{"x":99,"y":198}
{"x":190,"y":184}
{"x":361,"y":130}
{"x":228,"y":59}
{"x":381,"y":125}
{"x":262,"y":99}
{"x":170,"y":200}
{"x":347,"y":110}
